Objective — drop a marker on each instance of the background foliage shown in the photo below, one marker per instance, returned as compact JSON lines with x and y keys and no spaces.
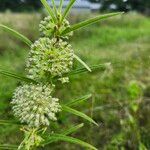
{"x":142,"y":6}
{"x":20,"y":5}
{"x":121,"y":100}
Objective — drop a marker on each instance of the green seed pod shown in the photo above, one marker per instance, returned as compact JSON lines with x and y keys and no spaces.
{"x":34,"y":105}
{"x":49,"y":57}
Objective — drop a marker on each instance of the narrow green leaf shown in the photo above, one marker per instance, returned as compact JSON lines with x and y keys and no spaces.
{"x":66,"y":132}
{"x":54,"y":7}
{"x":73,"y":129}
{"x":16,"y":76}
{"x":16,"y":34}
{"x":8,"y":122}
{"x":93,"y":68}
{"x":48,"y":8}
{"x":60,"y":5}
{"x":89,"y":21}
{"x":7,"y":147}
{"x":60,"y":137}
{"x":82,"y":62}
{"x":68,"y":9}
{"x":78,"y":113}
{"x":78,"y":100}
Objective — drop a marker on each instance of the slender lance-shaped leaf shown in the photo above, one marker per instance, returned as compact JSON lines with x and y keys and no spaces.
{"x":54,"y":6}
{"x":73,"y":129}
{"x":60,"y":137}
{"x":68,"y":9}
{"x":79,"y":100}
{"x":16,"y":34}
{"x":66,"y":132}
{"x":7,"y":147}
{"x":100,"y":67}
{"x":48,"y":8}
{"x":89,"y":21}
{"x":16,"y":76}
{"x":78,"y":113}
{"x":93,"y":68}
{"x":82,"y":62}
{"x":8,"y":122}
{"x":60,"y":5}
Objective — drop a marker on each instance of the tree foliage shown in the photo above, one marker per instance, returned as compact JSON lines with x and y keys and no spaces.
{"x":142,"y":6}
{"x":19,"y":5}
{"x":121,"y":5}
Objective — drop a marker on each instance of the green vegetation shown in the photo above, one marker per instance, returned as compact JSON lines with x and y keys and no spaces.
{"x":120,"y":100}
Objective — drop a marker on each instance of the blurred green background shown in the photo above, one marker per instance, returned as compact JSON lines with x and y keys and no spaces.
{"x":121,"y":98}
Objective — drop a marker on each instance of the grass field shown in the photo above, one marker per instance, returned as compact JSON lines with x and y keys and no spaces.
{"x":122,"y":41}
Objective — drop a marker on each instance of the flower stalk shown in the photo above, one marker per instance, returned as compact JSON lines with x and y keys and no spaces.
{"x":51,"y":58}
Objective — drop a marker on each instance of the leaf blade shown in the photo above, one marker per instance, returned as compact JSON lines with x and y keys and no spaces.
{"x":54,"y":6}
{"x":16,"y":34}
{"x":7,"y":147}
{"x":89,"y":21}
{"x":78,"y":113}
{"x":60,"y":137}
{"x":93,"y":68}
{"x":8,"y":122}
{"x":68,"y":9}
{"x":82,"y":62}
{"x":78,"y":100}
{"x":67,"y":132}
{"x":60,"y":5}
{"x":19,"y":77}
{"x":48,"y":8}
{"x":73,"y":129}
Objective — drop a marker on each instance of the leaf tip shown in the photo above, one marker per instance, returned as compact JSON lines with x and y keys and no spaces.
{"x":82,"y":124}
{"x":89,"y":69}
{"x":96,"y":123}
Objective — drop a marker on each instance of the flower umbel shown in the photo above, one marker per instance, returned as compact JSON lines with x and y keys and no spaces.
{"x":49,"y":57}
{"x":34,"y":105}
{"x":49,"y":28}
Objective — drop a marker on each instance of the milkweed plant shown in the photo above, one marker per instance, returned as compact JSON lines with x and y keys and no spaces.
{"x":50,"y":61}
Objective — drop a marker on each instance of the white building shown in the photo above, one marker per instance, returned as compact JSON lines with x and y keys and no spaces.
{"x":80,"y":5}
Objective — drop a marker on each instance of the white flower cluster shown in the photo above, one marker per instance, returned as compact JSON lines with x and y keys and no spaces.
{"x":49,"y":57}
{"x":50,"y":28}
{"x":33,"y":104}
